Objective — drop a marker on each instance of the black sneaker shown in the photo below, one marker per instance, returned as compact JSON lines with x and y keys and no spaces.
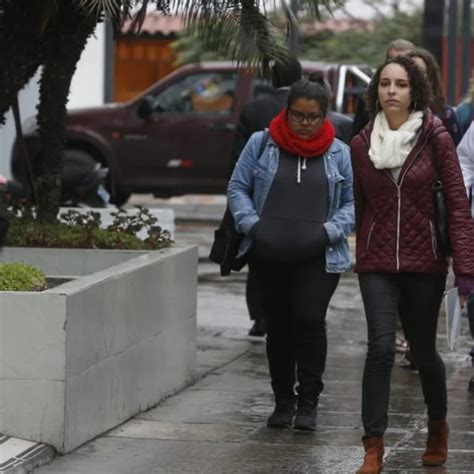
{"x":258,"y":329}
{"x":306,"y":416}
{"x":282,"y":416}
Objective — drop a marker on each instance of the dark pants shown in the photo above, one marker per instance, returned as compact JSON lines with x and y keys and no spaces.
{"x":295,"y":298}
{"x":418,"y":297}
{"x":470,"y":315}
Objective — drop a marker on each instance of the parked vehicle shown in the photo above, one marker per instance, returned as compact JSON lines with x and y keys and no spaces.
{"x":177,"y":136}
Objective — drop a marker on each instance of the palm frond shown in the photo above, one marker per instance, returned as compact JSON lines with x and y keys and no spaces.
{"x":239,"y":28}
{"x":112,"y":9}
{"x":50,"y":8}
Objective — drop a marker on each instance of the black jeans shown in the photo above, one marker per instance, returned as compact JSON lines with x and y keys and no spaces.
{"x":295,"y":298}
{"x":418,"y":297}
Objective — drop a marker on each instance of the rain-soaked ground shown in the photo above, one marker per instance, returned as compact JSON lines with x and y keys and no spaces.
{"x":218,"y":424}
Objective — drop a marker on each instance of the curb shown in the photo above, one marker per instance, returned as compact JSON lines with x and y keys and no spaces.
{"x":20,"y":456}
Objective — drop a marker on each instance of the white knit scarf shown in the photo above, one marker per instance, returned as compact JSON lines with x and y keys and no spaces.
{"x":389,"y":148}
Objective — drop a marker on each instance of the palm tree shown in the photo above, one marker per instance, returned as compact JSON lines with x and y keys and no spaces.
{"x":53,"y":34}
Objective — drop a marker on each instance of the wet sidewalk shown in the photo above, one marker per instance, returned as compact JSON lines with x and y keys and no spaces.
{"x":218,"y":424}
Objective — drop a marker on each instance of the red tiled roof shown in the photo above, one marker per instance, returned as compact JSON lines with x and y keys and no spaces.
{"x":310,"y":27}
{"x":157,"y":24}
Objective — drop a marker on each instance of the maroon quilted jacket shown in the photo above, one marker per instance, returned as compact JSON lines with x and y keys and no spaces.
{"x":395,"y":221}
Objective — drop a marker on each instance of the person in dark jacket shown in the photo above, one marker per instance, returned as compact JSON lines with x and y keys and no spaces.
{"x":398,"y":259}
{"x":8,"y":189}
{"x":294,"y":205}
{"x":256,"y":115}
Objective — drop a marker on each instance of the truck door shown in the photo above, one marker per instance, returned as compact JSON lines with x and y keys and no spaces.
{"x":186,"y":142}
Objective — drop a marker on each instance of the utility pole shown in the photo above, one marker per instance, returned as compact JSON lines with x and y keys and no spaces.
{"x":433,"y":22}
{"x":294,"y":37}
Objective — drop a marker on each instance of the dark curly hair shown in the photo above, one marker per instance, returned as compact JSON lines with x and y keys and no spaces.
{"x":420,"y":88}
{"x":438,"y":100}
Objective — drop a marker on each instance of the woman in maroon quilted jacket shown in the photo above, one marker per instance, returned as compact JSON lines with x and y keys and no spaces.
{"x":400,"y":264}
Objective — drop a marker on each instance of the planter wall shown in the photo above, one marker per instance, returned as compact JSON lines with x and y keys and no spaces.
{"x":83,"y":357}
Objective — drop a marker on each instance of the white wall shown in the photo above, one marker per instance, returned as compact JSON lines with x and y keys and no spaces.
{"x":87,"y":89}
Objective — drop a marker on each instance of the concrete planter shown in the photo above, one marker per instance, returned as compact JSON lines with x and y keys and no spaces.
{"x":81,"y":358}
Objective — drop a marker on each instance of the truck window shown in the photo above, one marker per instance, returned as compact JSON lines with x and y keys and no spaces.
{"x":209,"y":92}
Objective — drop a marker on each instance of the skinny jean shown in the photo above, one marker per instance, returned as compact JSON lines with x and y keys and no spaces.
{"x":418,"y":298}
{"x":295,"y":298}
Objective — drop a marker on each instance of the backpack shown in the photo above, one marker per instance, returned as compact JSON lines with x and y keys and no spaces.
{"x":227,"y":240}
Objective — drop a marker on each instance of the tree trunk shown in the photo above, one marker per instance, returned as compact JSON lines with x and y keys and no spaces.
{"x":65,"y":45}
{"x":21,"y":44}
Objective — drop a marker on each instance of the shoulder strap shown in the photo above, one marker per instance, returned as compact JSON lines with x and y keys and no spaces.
{"x":263,"y":143}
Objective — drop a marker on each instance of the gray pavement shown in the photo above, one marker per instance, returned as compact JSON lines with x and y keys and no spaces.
{"x":217,"y":425}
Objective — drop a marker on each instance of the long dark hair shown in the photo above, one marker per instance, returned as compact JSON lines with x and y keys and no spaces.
{"x":420,"y":88}
{"x":433,"y":75}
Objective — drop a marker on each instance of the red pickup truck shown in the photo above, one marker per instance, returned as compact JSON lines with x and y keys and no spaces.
{"x":177,"y":136}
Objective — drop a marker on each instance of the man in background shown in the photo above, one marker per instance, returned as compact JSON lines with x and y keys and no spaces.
{"x":256,"y":115}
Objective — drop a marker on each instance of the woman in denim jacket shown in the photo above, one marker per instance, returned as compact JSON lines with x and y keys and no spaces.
{"x":294,"y":204}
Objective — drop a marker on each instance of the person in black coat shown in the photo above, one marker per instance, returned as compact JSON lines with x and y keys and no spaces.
{"x":257,"y":115}
{"x":8,"y":189}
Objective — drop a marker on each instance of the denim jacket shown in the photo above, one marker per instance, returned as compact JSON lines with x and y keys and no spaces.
{"x":251,"y":181}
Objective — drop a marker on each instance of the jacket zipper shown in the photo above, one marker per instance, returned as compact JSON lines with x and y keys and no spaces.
{"x":399,"y":198}
{"x":370,"y":234}
{"x":399,"y":195}
{"x":434,"y":243}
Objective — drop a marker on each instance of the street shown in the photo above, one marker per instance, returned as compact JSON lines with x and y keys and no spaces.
{"x":218,"y":424}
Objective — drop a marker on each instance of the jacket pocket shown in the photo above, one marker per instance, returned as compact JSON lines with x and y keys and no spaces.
{"x":434,"y":242}
{"x":338,"y":181}
{"x":369,"y":237}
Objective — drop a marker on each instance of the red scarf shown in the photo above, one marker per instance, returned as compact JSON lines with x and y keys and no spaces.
{"x":285,"y":138}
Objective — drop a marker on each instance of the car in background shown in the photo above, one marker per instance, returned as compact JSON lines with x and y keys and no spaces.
{"x":177,"y":136}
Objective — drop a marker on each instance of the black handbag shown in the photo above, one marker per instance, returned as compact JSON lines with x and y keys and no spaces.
{"x":226,"y":246}
{"x":442,"y":224}
{"x":227,"y":240}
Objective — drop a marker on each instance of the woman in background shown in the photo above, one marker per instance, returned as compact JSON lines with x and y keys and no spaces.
{"x":428,"y":65}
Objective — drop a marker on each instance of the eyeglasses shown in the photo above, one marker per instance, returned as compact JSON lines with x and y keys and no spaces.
{"x":299,"y":117}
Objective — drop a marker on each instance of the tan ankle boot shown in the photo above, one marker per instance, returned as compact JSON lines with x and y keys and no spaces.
{"x":374,"y":451}
{"x":437,"y":444}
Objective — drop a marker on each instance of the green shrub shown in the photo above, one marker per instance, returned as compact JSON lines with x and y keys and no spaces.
{"x":21,"y":277}
{"x":78,"y":230}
